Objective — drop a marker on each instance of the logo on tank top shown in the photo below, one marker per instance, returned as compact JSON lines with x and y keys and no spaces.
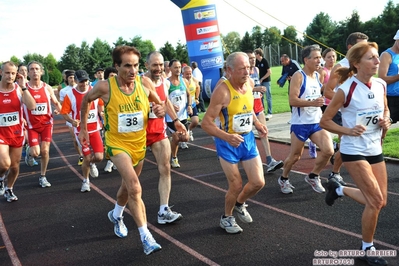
{"x":371,"y":95}
{"x":37,"y":96}
{"x":6,"y":101}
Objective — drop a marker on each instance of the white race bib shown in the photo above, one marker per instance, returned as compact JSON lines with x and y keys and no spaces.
{"x":152,"y":115}
{"x":242,"y":123}
{"x":93,"y":116}
{"x":41,"y":109}
{"x":311,"y":109}
{"x":369,"y":119}
{"x":130,"y":122}
{"x":9,"y":119}
{"x":257,"y":95}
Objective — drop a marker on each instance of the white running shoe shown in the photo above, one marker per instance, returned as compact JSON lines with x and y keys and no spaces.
{"x":108,"y":167}
{"x":243,"y":214}
{"x":229,"y":224}
{"x":43,"y":182}
{"x":285,"y":186}
{"x":93,"y":170}
{"x":175,"y":163}
{"x":183,"y":145}
{"x":85,"y":186}
{"x":191,"y":137}
{"x":274,"y":165}
{"x":315,"y":183}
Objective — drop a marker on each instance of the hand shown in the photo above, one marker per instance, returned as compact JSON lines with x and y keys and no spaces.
{"x":83,"y":137}
{"x":385,"y":122}
{"x":158,"y":109}
{"x":262,"y":129}
{"x":235,"y":140}
{"x":357,"y":130}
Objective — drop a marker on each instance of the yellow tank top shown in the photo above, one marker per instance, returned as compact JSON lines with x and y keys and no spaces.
{"x":192,"y":89}
{"x":126,"y":115}
{"x":237,"y":116}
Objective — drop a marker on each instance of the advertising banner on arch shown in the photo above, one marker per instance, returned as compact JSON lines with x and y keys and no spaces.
{"x":203,"y":40}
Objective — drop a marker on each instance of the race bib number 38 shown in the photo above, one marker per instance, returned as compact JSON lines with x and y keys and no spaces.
{"x":9,"y":119}
{"x":130,"y":122}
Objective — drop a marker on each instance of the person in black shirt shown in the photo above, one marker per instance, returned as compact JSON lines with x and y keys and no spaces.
{"x":264,"y":79}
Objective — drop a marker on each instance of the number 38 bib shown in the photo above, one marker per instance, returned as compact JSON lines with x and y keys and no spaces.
{"x":130,"y":122}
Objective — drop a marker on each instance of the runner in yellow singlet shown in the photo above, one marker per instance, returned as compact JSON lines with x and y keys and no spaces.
{"x":126,"y":98}
{"x":232,"y":102}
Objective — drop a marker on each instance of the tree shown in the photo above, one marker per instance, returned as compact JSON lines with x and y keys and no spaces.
{"x":99,"y":54}
{"x":168,"y":51}
{"x":246,"y":43}
{"x":289,"y":42}
{"x":319,"y":30}
{"x":257,"y":37}
{"x":182,"y":53}
{"x":383,"y":28}
{"x":231,"y":42}
{"x":272,"y":35}
{"x":70,"y":58}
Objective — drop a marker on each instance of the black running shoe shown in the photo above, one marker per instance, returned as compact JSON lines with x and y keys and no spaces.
{"x":331,"y":194}
{"x":373,"y":260}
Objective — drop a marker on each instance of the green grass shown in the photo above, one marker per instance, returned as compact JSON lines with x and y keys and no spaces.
{"x":390,"y":145}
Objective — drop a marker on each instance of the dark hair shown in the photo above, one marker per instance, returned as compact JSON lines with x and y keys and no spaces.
{"x":108,"y":71}
{"x":194,"y":64}
{"x":326,"y":51}
{"x":172,"y":61}
{"x":353,"y":37}
{"x":123,"y":49}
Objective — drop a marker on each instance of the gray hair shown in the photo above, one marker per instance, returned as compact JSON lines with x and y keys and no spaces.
{"x":230,"y":60}
{"x":308,"y":50}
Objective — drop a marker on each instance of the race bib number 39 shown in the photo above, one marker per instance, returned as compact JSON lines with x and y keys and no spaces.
{"x":130,"y":122}
{"x":9,"y":119}
{"x":242,"y":123}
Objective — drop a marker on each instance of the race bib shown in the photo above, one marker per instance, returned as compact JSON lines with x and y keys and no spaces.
{"x":257,"y":95}
{"x":130,"y":122}
{"x":311,"y":109}
{"x":369,"y":119}
{"x":9,"y":119}
{"x":41,"y":109}
{"x":242,"y":123}
{"x":92,"y":117}
{"x":176,"y":100}
{"x":152,"y":115}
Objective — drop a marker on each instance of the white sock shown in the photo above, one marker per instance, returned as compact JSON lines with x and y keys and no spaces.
{"x":340,"y":191}
{"x":366,"y":245}
{"x":2,"y":178}
{"x":118,"y":211}
{"x":86,"y":180}
{"x":162,"y":208}
{"x":143,"y":230}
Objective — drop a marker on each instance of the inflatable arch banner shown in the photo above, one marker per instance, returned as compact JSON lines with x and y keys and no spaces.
{"x":203,"y":40}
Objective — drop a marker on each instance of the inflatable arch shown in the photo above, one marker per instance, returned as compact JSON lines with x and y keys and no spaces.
{"x":204,"y":45}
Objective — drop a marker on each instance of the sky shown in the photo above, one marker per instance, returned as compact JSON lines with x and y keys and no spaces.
{"x":43,"y":27}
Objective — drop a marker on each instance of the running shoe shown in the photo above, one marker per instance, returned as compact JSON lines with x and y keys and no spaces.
{"x":85,"y":186}
{"x":312,"y":150}
{"x":191,"y":137}
{"x":80,"y":161}
{"x":43,"y":182}
{"x":2,"y":188}
{"x":150,"y":245}
{"x":108,"y":167}
{"x":338,"y":177}
{"x":93,"y":170}
{"x":10,"y":196}
{"x":274,"y":165}
{"x":285,"y":186}
{"x":168,"y":216}
{"x":371,"y":257}
{"x":315,"y":183}
{"x":183,"y":145}
{"x":243,"y":214}
{"x":175,"y":163}
{"x":120,"y":229}
{"x":331,"y":194}
{"x":29,"y":160}
{"x":229,"y":224}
